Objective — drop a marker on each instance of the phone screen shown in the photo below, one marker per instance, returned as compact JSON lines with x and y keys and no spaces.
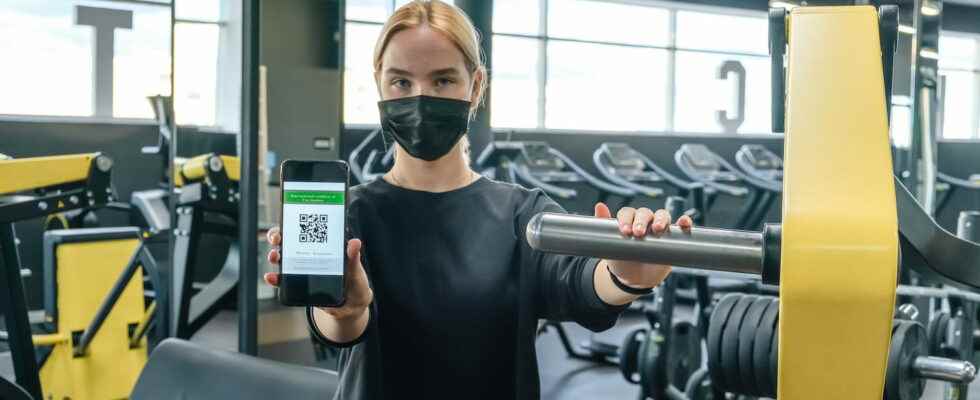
{"x":313,"y":228}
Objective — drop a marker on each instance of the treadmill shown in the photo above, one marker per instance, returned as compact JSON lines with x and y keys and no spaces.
{"x":706,"y":167}
{"x":762,"y":170}
{"x":375,"y":164}
{"x":537,"y":164}
{"x":622,"y":165}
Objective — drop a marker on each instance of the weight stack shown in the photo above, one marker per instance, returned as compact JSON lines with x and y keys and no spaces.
{"x":742,"y":344}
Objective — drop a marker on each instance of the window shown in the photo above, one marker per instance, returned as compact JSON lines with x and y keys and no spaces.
{"x":360,"y":92}
{"x":196,"y":73}
{"x":722,"y":32}
{"x":363,"y":25}
{"x":612,"y":66}
{"x":601,"y":21}
{"x":521,"y":17}
{"x":54,"y":72}
{"x":959,"y":63}
{"x":515,"y":90}
{"x":699,"y":93}
{"x":197,"y":40}
{"x":613,"y":88}
{"x":705,"y":42}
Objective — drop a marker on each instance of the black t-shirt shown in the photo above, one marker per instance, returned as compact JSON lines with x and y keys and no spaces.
{"x":458,"y":293}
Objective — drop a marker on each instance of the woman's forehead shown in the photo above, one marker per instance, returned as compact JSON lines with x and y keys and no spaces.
{"x":422,"y":50}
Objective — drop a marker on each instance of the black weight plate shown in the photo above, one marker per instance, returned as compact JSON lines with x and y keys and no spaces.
{"x":651,"y":377}
{"x":719,"y":316}
{"x":891,"y":374}
{"x":908,"y":342}
{"x":931,"y":329}
{"x":628,"y":354}
{"x":773,"y":362}
{"x":942,"y":335}
{"x":746,"y":335}
{"x":729,"y":345}
{"x":915,"y":344}
{"x":684,"y":353}
{"x":760,"y":350}
{"x":935,"y":338}
{"x":641,"y":364}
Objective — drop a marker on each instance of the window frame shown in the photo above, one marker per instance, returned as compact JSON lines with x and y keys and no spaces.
{"x":543,"y":38}
{"x":220,"y":23}
{"x":975,"y":129}
{"x":671,"y":48}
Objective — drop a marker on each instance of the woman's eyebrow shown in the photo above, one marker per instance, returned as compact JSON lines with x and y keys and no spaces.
{"x":398,"y":71}
{"x":445,"y":71}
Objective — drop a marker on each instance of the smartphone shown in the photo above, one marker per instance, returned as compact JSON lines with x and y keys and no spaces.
{"x":314,"y":225}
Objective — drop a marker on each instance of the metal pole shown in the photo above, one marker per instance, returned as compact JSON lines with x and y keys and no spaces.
{"x":13,"y":306}
{"x":248,"y":204}
{"x":173,"y":198}
{"x":701,"y":248}
{"x":481,"y":13}
{"x":81,"y":348}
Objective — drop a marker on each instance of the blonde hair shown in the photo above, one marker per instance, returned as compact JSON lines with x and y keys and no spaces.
{"x":446,"y":19}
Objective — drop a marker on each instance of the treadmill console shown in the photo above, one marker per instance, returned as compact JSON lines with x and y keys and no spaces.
{"x":622,"y":156}
{"x":538,"y":156}
{"x":546,"y":166}
{"x":705,"y":162}
{"x":627,"y":163}
{"x":762,"y":163}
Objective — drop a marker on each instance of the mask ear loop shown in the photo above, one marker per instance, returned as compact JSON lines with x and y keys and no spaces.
{"x":385,"y":139}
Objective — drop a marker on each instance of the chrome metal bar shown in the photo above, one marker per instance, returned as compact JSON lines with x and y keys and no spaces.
{"x":942,"y":293}
{"x":699,"y":248}
{"x":944,"y":369}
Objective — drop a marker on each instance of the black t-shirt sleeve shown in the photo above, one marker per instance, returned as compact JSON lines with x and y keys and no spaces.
{"x":565,"y":284}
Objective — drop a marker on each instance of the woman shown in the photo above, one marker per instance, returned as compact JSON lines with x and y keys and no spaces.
{"x":444,"y":294}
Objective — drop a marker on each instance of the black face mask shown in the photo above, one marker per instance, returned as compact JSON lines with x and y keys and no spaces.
{"x":427,"y":127}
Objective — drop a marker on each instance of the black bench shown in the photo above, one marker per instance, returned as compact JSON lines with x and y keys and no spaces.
{"x":180,"y":370}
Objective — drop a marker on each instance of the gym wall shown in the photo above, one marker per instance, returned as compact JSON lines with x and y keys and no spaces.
{"x":301,"y":48}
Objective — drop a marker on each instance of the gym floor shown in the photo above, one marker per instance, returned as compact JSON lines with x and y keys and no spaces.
{"x":561,"y":377}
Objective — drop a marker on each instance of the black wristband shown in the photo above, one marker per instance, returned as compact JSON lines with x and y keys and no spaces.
{"x":622,"y":286}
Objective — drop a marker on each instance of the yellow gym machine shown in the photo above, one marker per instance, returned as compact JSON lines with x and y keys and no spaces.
{"x":90,"y":341}
{"x":845,"y":222}
{"x":206,"y":189}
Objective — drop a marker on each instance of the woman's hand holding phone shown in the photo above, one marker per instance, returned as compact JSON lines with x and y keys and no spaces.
{"x":357,"y":292}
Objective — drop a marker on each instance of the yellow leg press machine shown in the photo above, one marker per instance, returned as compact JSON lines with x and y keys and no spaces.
{"x":89,"y":341}
{"x":208,"y":202}
{"x":846,"y":220}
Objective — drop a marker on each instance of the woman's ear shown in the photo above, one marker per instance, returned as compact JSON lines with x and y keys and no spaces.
{"x":377,"y":83}
{"x":479,"y":79}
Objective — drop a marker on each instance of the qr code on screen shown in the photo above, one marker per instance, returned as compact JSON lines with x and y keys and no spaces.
{"x":313,"y":228}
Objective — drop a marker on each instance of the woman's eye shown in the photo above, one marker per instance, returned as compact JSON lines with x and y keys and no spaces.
{"x":401,"y":83}
{"x":444,"y":81}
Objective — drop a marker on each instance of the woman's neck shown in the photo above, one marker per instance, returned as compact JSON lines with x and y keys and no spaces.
{"x":448,"y":173}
